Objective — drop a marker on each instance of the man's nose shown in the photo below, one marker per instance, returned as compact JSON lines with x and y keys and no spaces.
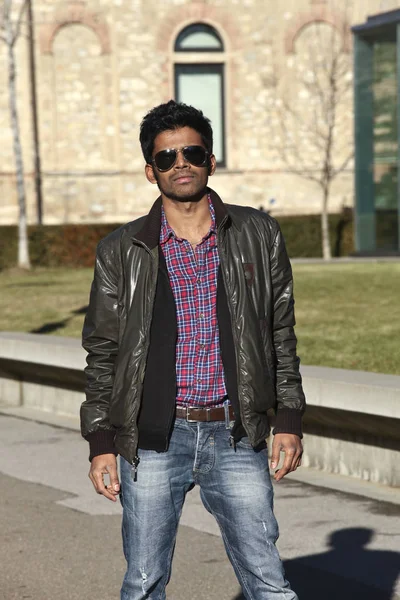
{"x":180,"y":160}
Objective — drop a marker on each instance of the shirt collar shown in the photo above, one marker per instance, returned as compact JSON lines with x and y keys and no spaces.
{"x":166,"y":230}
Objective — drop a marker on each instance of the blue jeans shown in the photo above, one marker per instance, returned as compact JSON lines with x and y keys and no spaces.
{"x":235,"y":487}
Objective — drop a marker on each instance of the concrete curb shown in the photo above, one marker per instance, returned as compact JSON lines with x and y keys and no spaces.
{"x":351,"y":426}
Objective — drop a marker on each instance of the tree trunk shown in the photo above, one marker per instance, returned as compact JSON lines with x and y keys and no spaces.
{"x":326,"y":246}
{"x":23,"y":246}
{"x":35,"y":118}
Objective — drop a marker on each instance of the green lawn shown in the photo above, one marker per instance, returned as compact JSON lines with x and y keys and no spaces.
{"x":44,"y":298}
{"x":348,"y":315}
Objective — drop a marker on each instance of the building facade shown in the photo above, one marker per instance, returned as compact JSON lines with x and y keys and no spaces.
{"x":275,"y":79}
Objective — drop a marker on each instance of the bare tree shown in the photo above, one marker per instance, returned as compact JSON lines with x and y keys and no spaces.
{"x":12,"y":15}
{"x":315,"y":140}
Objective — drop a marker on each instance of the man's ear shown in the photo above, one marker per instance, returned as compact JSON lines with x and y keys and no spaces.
{"x":150,"y":173}
{"x":212,"y":164}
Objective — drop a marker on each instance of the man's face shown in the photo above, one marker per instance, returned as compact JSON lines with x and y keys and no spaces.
{"x":183,"y":182}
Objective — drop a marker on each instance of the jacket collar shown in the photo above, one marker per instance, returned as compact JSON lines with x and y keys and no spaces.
{"x":149,"y":234}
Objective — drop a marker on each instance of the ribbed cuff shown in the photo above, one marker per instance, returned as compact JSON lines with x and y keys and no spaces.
{"x":101,"y":442}
{"x":288,"y":420}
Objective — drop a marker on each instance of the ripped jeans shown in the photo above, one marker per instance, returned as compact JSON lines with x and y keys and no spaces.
{"x":235,"y":487}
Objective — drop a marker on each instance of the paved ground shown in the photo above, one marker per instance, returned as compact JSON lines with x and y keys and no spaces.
{"x":60,"y":540}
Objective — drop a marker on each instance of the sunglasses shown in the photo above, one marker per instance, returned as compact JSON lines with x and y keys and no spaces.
{"x":195,"y":155}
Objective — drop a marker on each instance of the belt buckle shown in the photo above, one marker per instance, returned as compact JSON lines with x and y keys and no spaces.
{"x":208,"y":411}
{"x":187,"y":416}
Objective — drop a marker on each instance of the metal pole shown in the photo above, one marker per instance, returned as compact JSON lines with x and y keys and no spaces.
{"x":35,"y":120}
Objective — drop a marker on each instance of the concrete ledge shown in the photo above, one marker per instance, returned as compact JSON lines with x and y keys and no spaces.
{"x":351,"y":427}
{"x":356,"y":391}
{"x":42,"y":416}
{"x":42,"y":350}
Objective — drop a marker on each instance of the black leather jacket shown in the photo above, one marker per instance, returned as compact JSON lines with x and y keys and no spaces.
{"x":258,"y":281}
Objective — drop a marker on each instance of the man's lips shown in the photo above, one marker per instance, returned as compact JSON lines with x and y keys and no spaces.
{"x":183,"y":179}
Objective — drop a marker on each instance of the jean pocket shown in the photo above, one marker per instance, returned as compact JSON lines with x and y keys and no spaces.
{"x":244,"y":442}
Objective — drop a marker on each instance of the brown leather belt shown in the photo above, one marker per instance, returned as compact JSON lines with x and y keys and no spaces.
{"x":193,"y":414}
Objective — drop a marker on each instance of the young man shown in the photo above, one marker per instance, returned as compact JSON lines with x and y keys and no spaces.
{"x":190,"y":343}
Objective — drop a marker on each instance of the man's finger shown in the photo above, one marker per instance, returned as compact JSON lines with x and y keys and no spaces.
{"x":108,"y":494}
{"x":297,"y":463}
{"x":297,"y":458}
{"x":96,"y":476}
{"x":114,"y":481}
{"x":276,"y":454}
{"x":287,"y":465}
{"x":93,"y":480}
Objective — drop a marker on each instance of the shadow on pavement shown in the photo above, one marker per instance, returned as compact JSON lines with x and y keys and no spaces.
{"x":81,"y":311}
{"x":50,"y":327}
{"x":56,"y":325}
{"x":347,"y":571}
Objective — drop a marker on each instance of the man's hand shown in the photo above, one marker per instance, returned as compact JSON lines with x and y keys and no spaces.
{"x":291,"y":445}
{"x":105,"y":464}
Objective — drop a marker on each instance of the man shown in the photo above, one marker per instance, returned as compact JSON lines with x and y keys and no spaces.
{"x":190,"y":343}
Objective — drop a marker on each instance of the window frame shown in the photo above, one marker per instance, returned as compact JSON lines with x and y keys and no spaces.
{"x":198,"y":27}
{"x":217,"y":68}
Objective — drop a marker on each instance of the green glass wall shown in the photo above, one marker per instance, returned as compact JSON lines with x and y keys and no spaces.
{"x":377,"y":156}
{"x":385,"y":145}
{"x":364,"y":150}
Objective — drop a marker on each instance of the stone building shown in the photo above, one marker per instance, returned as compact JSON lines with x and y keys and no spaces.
{"x":258,"y":69}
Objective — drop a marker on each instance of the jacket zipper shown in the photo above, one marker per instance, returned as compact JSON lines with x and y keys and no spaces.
{"x":232,"y":441}
{"x":134,"y":468}
{"x":136,"y":459}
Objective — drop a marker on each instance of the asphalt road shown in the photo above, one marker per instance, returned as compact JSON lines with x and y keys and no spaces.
{"x":59,"y":540}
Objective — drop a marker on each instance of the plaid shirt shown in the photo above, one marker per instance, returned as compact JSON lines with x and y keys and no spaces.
{"x":193,"y":277}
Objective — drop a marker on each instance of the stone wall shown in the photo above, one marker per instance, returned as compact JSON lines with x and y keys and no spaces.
{"x":102,"y":64}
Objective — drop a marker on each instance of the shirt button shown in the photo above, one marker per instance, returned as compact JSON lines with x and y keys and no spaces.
{"x":199,"y":381}
{"x":201,"y":316}
{"x":202,"y":346}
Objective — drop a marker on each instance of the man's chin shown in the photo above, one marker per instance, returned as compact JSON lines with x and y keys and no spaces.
{"x":185,"y":195}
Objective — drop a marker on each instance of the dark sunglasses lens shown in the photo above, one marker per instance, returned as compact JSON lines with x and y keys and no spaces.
{"x":165,"y":159}
{"x":196,"y":155}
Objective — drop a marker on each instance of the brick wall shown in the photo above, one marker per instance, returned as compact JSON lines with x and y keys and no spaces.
{"x":102,"y":64}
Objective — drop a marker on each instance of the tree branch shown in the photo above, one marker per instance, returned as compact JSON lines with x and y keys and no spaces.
{"x":342,"y":167}
{"x":6,"y":11}
{"x":313,"y":126}
{"x":3,"y":20}
{"x":18,"y":25}
{"x":299,"y":167}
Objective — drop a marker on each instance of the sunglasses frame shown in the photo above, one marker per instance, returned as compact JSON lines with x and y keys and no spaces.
{"x":177,"y":150}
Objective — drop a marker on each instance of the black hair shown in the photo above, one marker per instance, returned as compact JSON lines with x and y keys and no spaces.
{"x":169,"y":116}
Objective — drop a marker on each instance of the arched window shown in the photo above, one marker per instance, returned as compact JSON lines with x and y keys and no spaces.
{"x":199,"y":38}
{"x":199,"y":80}
{"x":78,"y":92}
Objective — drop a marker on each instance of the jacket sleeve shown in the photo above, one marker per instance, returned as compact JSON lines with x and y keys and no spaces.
{"x":100,"y":340}
{"x":289,"y":391}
